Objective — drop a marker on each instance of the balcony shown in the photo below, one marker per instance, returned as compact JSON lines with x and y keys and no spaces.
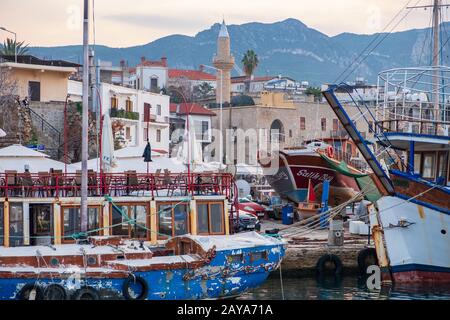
{"x":123,"y":114}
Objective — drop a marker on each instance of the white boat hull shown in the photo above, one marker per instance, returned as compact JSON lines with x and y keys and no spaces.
{"x":420,"y":249}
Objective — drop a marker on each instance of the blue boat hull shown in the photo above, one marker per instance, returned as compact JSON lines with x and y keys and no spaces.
{"x":221,"y":278}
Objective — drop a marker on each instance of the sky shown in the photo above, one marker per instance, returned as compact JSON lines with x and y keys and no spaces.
{"x":120,"y":23}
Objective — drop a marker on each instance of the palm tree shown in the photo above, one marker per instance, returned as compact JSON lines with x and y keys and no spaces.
{"x":9,"y":46}
{"x":250,"y":62}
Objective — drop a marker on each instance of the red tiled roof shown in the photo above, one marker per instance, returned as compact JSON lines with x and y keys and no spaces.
{"x":191,"y":74}
{"x":150,"y":63}
{"x":255,"y":79}
{"x":194,"y":108}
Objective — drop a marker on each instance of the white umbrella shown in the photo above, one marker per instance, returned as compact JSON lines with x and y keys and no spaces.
{"x":108,"y":157}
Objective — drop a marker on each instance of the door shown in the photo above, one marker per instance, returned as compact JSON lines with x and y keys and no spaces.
{"x":41,"y":224}
{"x":34,"y":90}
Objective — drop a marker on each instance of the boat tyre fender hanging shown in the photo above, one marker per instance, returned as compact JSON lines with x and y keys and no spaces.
{"x":330,"y":152}
{"x":25,"y":292}
{"x":132,"y":279}
{"x":55,"y":292}
{"x":321,"y":268}
{"x":366,"y":257}
{"x":86,"y":293}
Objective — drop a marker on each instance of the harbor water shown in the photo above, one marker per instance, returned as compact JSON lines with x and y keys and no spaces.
{"x":347,"y":288}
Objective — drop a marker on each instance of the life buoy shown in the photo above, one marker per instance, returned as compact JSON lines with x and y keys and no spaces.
{"x":25,"y":292}
{"x":366,"y":258}
{"x":86,"y":293}
{"x":55,"y":292}
{"x":330,"y":151}
{"x":321,"y":268}
{"x":133,"y":279}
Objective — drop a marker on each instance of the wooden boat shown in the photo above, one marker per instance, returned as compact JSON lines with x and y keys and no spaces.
{"x":186,"y":267}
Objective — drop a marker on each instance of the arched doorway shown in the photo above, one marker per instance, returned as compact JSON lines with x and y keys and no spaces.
{"x":277,"y":131}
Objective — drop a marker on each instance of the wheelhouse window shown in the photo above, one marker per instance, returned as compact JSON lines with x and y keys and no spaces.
{"x":429,"y":165}
{"x":173,"y":219}
{"x":442,"y":166}
{"x":210,"y":218}
{"x":417,"y":159}
{"x":2,"y":221}
{"x":15,"y":224}
{"x":130,"y":220}
{"x":72,"y":222}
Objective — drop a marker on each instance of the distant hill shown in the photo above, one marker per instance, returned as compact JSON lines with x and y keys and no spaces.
{"x":287,"y":47}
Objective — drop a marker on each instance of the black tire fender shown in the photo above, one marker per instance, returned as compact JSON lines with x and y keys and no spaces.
{"x":55,"y":292}
{"x":26,"y":289}
{"x":321,"y":268}
{"x":133,"y":279}
{"x":86,"y":293}
{"x":362,"y":257}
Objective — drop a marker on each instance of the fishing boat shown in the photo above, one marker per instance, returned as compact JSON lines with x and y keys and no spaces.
{"x":410,"y":217}
{"x":186,"y":267}
{"x":309,"y":166}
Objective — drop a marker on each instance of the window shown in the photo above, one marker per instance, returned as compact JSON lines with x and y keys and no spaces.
{"x":145,"y":133}
{"x":429,"y":165}
{"x":2,"y":232}
{"x":335,"y":125}
{"x":129,"y":105}
{"x":255,"y":256}
{"x":173,"y":219}
{"x":205,"y":129}
{"x":128,"y":133}
{"x":302,"y":123}
{"x":158,"y":109}
{"x":153,"y":84}
{"x":442,"y":167}
{"x":210,"y":218}
{"x":290,"y":133}
{"x":34,"y":90}
{"x":236,"y":258}
{"x":158,"y":135}
{"x":130,"y":220}
{"x":417,"y":158}
{"x":323,"y":124}
{"x":147,"y":107}
{"x":114,"y":102}
{"x":72,"y":221}
{"x":15,"y":224}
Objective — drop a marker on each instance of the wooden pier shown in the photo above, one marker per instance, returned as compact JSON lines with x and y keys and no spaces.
{"x":304,"y":250}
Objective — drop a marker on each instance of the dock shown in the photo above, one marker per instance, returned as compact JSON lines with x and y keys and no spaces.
{"x":304,"y":250}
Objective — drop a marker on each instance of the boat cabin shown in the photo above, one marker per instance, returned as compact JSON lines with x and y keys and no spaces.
{"x":149,"y":210}
{"x":411,"y":121}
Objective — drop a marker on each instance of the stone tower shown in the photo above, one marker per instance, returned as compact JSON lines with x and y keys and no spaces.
{"x":224,"y":61}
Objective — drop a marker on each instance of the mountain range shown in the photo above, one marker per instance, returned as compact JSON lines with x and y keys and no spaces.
{"x":288,"y":48}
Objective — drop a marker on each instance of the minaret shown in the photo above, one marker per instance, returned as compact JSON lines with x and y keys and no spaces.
{"x":225,"y":62}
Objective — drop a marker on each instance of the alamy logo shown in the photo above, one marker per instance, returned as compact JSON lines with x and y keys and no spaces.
{"x":373,"y":281}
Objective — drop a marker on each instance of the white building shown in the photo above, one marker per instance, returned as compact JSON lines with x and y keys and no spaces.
{"x":199,"y":120}
{"x":150,"y":75}
{"x":134,"y":111}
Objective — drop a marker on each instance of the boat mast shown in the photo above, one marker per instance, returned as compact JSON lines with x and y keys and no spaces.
{"x":85,"y":115}
{"x":436,"y":8}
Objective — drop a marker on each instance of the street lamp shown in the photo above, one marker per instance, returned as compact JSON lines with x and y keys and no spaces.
{"x":221,"y":104}
{"x":15,"y":42}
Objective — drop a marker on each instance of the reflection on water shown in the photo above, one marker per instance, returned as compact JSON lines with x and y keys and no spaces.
{"x":347,"y":288}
